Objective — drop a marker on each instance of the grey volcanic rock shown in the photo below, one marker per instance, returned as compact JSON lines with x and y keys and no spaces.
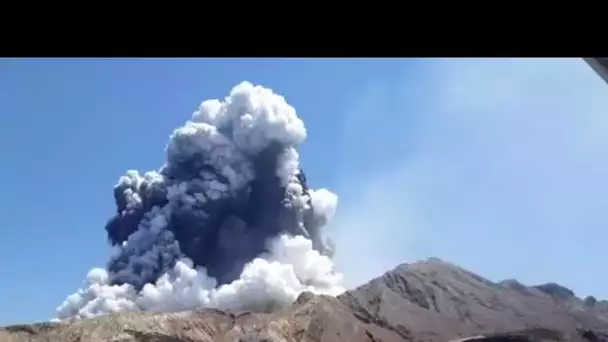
{"x":556,"y":290}
{"x":590,"y":301}
{"x":310,"y":318}
{"x":434,"y":300}
{"x":425,"y":301}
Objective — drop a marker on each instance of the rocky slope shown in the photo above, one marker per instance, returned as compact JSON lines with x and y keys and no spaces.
{"x":425,"y":302}
{"x":437,"y":301}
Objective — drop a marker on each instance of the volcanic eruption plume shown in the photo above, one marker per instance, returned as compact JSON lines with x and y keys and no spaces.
{"x":228,"y":221}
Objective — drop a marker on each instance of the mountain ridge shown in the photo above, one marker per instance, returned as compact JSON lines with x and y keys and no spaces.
{"x":440,"y":300}
{"x":425,"y":301}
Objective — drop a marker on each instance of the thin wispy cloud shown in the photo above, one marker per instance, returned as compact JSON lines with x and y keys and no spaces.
{"x":503,"y":171}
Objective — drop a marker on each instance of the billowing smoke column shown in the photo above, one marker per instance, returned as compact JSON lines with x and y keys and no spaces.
{"x":228,"y":221}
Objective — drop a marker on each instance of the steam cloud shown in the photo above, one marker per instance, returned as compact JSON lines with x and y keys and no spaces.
{"x":228,"y":221}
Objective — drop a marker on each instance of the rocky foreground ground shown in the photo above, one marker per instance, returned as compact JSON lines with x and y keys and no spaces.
{"x":427,"y":301}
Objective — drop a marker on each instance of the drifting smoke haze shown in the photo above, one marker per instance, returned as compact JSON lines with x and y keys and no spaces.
{"x":228,"y":221}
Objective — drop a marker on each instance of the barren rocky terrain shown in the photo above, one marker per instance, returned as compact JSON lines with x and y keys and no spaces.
{"x":427,"y":301}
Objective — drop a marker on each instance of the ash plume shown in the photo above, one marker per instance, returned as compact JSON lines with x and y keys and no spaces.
{"x":228,"y":221}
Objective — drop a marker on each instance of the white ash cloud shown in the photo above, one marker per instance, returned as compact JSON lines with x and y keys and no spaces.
{"x":227,"y":222}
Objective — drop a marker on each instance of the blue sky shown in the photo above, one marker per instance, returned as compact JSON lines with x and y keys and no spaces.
{"x":496,"y":165}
